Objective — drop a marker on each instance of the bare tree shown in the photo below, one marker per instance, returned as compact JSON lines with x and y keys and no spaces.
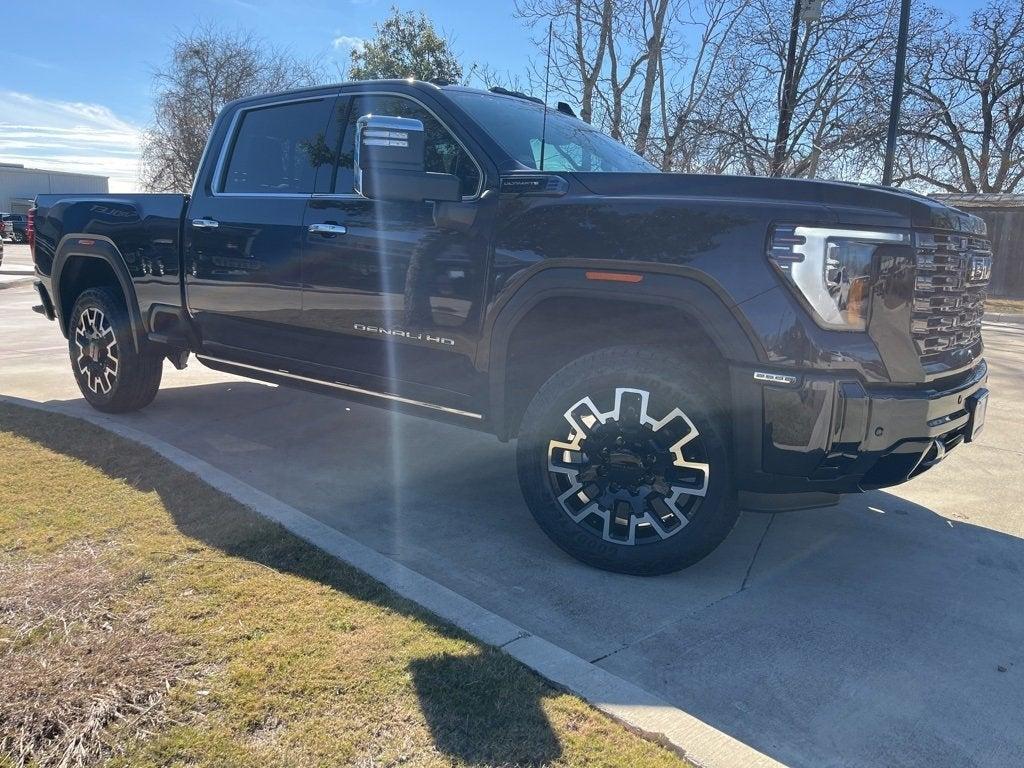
{"x":964,"y":118}
{"x":841,"y":67}
{"x":636,"y":39}
{"x":606,"y":54}
{"x":207,"y":68}
{"x":657,"y":12}
{"x":579,"y":43}
{"x":694,"y":93}
{"x":695,"y":84}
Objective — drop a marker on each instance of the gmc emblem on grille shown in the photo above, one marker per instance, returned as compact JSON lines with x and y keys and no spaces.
{"x":979,"y":269}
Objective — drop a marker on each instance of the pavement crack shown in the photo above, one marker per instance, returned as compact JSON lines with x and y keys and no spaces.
{"x":712,"y":604}
{"x":1003,"y":450}
{"x":520,"y":636}
{"x":612,"y":653}
{"x":757,"y":550}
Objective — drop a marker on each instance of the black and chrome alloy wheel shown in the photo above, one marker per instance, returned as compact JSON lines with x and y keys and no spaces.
{"x":97,"y":359}
{"x":624,"y":460}
{"x":630,"y":477}
{"x":114,"y":373}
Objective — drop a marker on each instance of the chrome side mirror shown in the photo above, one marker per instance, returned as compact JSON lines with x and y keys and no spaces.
{"x":390,"y":162}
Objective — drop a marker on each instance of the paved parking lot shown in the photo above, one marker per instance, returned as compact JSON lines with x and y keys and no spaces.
{"x":16,"y":267}
{"x":886,"y":631}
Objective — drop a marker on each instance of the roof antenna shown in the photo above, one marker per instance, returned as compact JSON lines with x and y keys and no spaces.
{"x":547,"y":77}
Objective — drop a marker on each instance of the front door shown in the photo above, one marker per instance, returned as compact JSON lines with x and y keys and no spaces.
{"x":398,"y":296}
{"x":243,"y":236}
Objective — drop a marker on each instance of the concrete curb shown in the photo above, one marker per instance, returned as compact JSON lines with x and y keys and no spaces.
{"x":16,"y":283}
{"x":1004,"y":317}
{"x":633,"y":707}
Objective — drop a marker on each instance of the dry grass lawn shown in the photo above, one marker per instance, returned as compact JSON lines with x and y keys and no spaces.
{"x":146,"y":619}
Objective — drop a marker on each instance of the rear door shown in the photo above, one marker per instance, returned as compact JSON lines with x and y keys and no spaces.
{"x":243,"y":233}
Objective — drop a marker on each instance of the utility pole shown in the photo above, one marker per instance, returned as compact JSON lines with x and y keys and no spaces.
{"x":803,"y":10}
{"x":897,"y":93}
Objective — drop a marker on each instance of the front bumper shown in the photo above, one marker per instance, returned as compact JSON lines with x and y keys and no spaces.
{"x":826,"y":434}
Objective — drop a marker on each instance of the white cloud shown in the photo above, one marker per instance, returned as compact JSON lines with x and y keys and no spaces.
{"x":350,"y":42}
{"x":69,"y":136}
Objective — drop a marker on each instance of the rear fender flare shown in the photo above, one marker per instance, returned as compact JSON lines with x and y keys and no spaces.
{"x":97,"y":247}
{"x":689,"y":291}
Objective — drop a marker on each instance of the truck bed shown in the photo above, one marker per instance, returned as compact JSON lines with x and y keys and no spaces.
{"x":145,"y":228}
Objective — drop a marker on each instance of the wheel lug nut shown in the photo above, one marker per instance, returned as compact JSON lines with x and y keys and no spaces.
{"x":620,"y":440}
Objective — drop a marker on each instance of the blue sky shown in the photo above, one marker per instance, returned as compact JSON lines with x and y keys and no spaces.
{"x":76,"y":93}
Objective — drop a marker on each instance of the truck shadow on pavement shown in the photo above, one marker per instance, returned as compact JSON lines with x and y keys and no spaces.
{"x":875,"y":632}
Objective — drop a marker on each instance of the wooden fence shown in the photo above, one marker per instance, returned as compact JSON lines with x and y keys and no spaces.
{"x":1004,"y":215}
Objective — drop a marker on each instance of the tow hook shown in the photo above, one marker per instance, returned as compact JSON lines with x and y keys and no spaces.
{"x":935,"y":453}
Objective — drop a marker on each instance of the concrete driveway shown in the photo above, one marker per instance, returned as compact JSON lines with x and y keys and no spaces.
{"x":16,"y":266}
{"x":886,"y":631}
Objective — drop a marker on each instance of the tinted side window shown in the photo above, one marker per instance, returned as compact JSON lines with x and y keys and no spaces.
{"x":278,"y":149}
{"x":443,"y":153}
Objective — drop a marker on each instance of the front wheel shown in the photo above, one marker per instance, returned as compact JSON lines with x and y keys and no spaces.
{"x":112,"y":375}
{"x":623,"y":460}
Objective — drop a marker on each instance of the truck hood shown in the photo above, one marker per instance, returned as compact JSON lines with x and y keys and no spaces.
{"x":920,"y":211}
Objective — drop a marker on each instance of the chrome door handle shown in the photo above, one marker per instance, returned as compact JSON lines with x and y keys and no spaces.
{"x":327,"y":229}
{"x":205,"y":223}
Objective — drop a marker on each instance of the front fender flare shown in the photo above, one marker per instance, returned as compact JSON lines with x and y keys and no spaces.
{"x":690,"y":291}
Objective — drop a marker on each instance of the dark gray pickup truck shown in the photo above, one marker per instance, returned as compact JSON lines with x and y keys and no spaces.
{"x":665,"y":348}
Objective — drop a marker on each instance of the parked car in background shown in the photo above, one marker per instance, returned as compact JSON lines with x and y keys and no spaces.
{"x":14,"y":226}
{"x":1,"y":252}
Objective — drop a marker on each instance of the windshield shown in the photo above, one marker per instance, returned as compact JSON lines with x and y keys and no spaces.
{"x":570,"y":144}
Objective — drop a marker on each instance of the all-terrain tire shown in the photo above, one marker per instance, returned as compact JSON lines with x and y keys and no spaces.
{"x":112,"y":375}
{"x":621,"y":438}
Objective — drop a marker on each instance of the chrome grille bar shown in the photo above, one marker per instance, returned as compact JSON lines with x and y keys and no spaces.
{"x":949,"y":292}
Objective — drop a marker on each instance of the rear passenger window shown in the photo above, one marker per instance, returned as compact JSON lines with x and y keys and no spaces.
{"x":278,"y":149}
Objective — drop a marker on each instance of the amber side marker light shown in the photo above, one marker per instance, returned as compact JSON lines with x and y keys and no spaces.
{"x":615,"y":277}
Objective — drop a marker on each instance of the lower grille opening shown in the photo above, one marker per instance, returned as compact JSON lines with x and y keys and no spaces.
{"x":910,"y":459}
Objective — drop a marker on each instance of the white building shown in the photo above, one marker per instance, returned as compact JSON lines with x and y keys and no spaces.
{"x":19,"y":185}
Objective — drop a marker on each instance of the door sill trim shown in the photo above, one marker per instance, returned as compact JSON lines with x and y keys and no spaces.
{"x":345,"y":387}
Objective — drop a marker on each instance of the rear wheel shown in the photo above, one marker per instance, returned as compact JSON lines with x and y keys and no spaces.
{"x":112,"y":375}
{"x":623,"y":460}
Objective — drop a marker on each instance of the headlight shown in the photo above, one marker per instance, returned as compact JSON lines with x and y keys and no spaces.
{"x":831,"y":269}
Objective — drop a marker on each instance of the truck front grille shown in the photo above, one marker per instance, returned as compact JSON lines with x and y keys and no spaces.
{"x":949,"y":293}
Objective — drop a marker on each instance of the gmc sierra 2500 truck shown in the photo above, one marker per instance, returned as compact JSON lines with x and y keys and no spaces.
{"x":666,"y":348}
